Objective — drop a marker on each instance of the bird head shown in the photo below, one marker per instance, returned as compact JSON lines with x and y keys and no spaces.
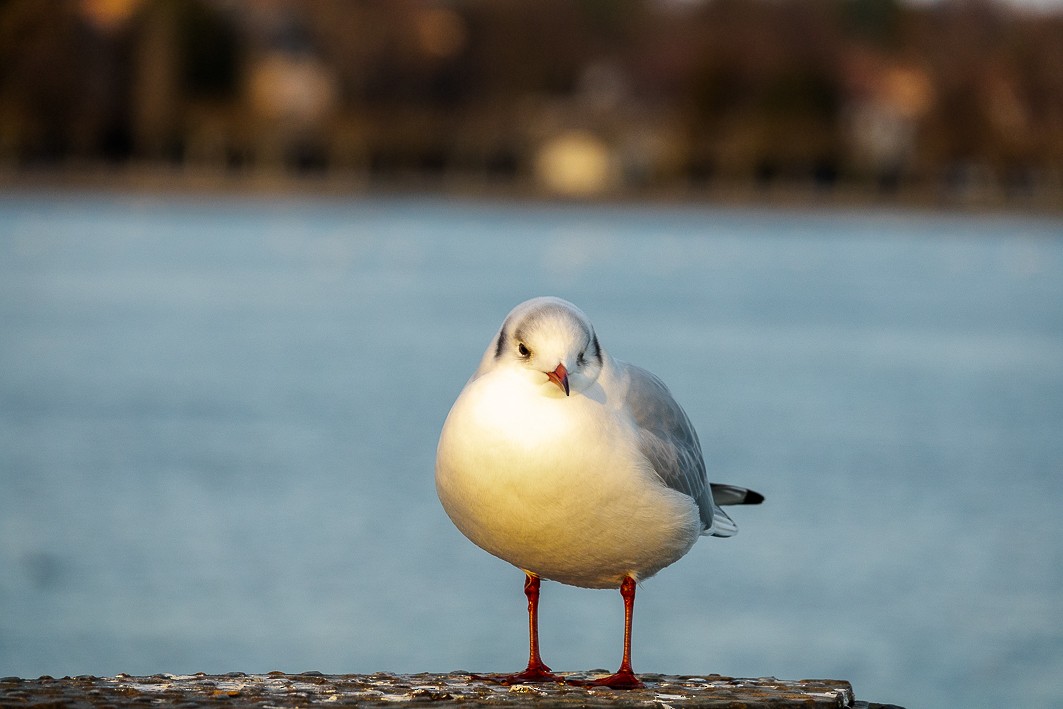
{"x":553,"y":342}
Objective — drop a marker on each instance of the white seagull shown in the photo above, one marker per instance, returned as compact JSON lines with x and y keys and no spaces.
{"x":575,"y":467}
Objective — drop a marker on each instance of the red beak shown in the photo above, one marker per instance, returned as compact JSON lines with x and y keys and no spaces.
{"x":559,"y":377}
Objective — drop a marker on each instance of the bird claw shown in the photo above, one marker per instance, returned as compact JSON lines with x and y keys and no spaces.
{"x":533,"y":674}
{"x":620,"y":680}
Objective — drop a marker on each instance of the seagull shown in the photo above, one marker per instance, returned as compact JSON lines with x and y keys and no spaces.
{"x":575,"y":467}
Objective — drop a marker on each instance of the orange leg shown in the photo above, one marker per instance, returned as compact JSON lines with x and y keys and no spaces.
{"x":624,"y":678}
{"x":537,"y":670}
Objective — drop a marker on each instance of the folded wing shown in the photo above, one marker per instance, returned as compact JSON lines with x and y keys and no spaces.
{"x":670,"y":443}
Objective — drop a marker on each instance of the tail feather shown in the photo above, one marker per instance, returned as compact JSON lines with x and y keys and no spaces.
{"x":722,"y":525}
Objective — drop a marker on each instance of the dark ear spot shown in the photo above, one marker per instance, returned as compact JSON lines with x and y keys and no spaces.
{"x":597,"y":349}
{"x":501,"y":345}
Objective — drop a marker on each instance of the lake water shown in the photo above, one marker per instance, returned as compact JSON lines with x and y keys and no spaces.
{"x":218,"y":420}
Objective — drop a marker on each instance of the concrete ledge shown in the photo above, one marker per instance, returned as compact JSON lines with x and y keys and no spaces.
{"x":278,"y":689}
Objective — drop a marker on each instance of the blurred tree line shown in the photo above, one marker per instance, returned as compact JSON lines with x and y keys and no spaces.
{"x":581,"y":96}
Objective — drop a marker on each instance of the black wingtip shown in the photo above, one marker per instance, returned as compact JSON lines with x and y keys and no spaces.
{"x":753,"y":498}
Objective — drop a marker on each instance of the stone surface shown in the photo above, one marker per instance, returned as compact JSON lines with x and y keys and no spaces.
{"x":278,"y":689}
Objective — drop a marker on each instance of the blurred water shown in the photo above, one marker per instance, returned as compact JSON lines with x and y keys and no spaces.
{"x":218,"y":421}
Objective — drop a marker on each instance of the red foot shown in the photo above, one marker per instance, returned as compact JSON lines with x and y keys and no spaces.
{"x":624,"y":679}
{"x":533,"y":674}
{"x":539,"y":673}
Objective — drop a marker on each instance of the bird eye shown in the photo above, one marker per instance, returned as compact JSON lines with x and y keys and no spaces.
{"x":523,"y":350}
{"x":580,"y":358}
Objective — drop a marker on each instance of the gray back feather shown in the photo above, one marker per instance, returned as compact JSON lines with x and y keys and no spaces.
{"x":669,"y":442}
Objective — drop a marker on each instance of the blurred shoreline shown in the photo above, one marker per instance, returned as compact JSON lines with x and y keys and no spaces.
{"x":358,"y":185}
{"x":956,"y":104}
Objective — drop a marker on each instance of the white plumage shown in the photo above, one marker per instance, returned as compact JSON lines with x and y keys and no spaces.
{"x":571,"y":465}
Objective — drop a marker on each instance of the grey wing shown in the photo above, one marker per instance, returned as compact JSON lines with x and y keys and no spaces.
{"x":669,"y":442}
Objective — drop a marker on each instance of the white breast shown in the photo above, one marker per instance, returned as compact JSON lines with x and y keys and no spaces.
{"x":554,"y":485}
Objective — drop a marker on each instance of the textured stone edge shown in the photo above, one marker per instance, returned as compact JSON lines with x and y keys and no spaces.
{"x":280,"y":689}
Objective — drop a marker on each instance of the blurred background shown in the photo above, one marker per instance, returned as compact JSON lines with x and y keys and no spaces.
{"x":251,"y":251}
{"x":950,"y":100}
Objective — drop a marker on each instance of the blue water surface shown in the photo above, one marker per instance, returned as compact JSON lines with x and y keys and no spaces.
{"x":218,"y":420}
